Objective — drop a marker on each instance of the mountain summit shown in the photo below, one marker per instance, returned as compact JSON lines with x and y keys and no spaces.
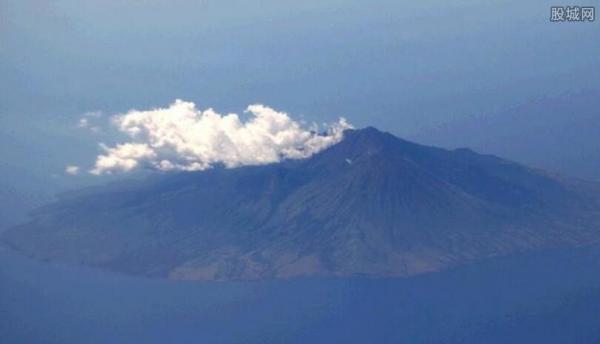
{"x":372,"y":205}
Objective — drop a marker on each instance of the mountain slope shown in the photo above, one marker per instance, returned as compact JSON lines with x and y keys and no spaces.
{"x":21,"y":192}
{"x":373,"y":205}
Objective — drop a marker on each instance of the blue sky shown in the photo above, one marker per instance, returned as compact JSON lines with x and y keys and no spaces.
{"x":432,"y":71}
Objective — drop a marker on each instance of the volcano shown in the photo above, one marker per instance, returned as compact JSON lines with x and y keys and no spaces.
{"x":372,"y":205}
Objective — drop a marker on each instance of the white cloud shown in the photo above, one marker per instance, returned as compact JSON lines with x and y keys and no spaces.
{"x":83,"y":123}
{"x":72,"y":170}
{"x":86,"y":121}
{"x":181,"y":137}
{"x":123,"y":157}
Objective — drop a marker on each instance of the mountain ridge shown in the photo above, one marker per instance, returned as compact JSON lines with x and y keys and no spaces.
{"x":372,"y":205}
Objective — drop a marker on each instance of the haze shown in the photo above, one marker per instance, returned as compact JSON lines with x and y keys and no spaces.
{"x":436,"y":72}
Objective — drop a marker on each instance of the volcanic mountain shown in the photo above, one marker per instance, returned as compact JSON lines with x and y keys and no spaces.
{"x":372,"y":205}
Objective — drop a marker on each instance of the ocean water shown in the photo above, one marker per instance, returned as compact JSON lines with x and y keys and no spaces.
{"x":550,"y":297}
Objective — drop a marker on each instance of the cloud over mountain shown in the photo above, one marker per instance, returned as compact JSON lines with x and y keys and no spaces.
{"x":181,"y":137}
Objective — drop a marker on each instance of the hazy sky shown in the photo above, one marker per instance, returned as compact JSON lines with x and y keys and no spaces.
{"x":425,"y":70}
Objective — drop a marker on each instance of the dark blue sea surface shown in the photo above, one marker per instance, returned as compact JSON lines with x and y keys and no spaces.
{"x":549,"y":297}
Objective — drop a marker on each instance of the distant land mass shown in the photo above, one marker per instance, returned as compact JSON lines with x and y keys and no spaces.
{"x":372,"y":205}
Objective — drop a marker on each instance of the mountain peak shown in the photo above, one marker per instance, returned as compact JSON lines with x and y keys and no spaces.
{"x":369,"y":139}
{"x":370,"y":130}
{"x":366,"y":134}
{"x":371,"y":142}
